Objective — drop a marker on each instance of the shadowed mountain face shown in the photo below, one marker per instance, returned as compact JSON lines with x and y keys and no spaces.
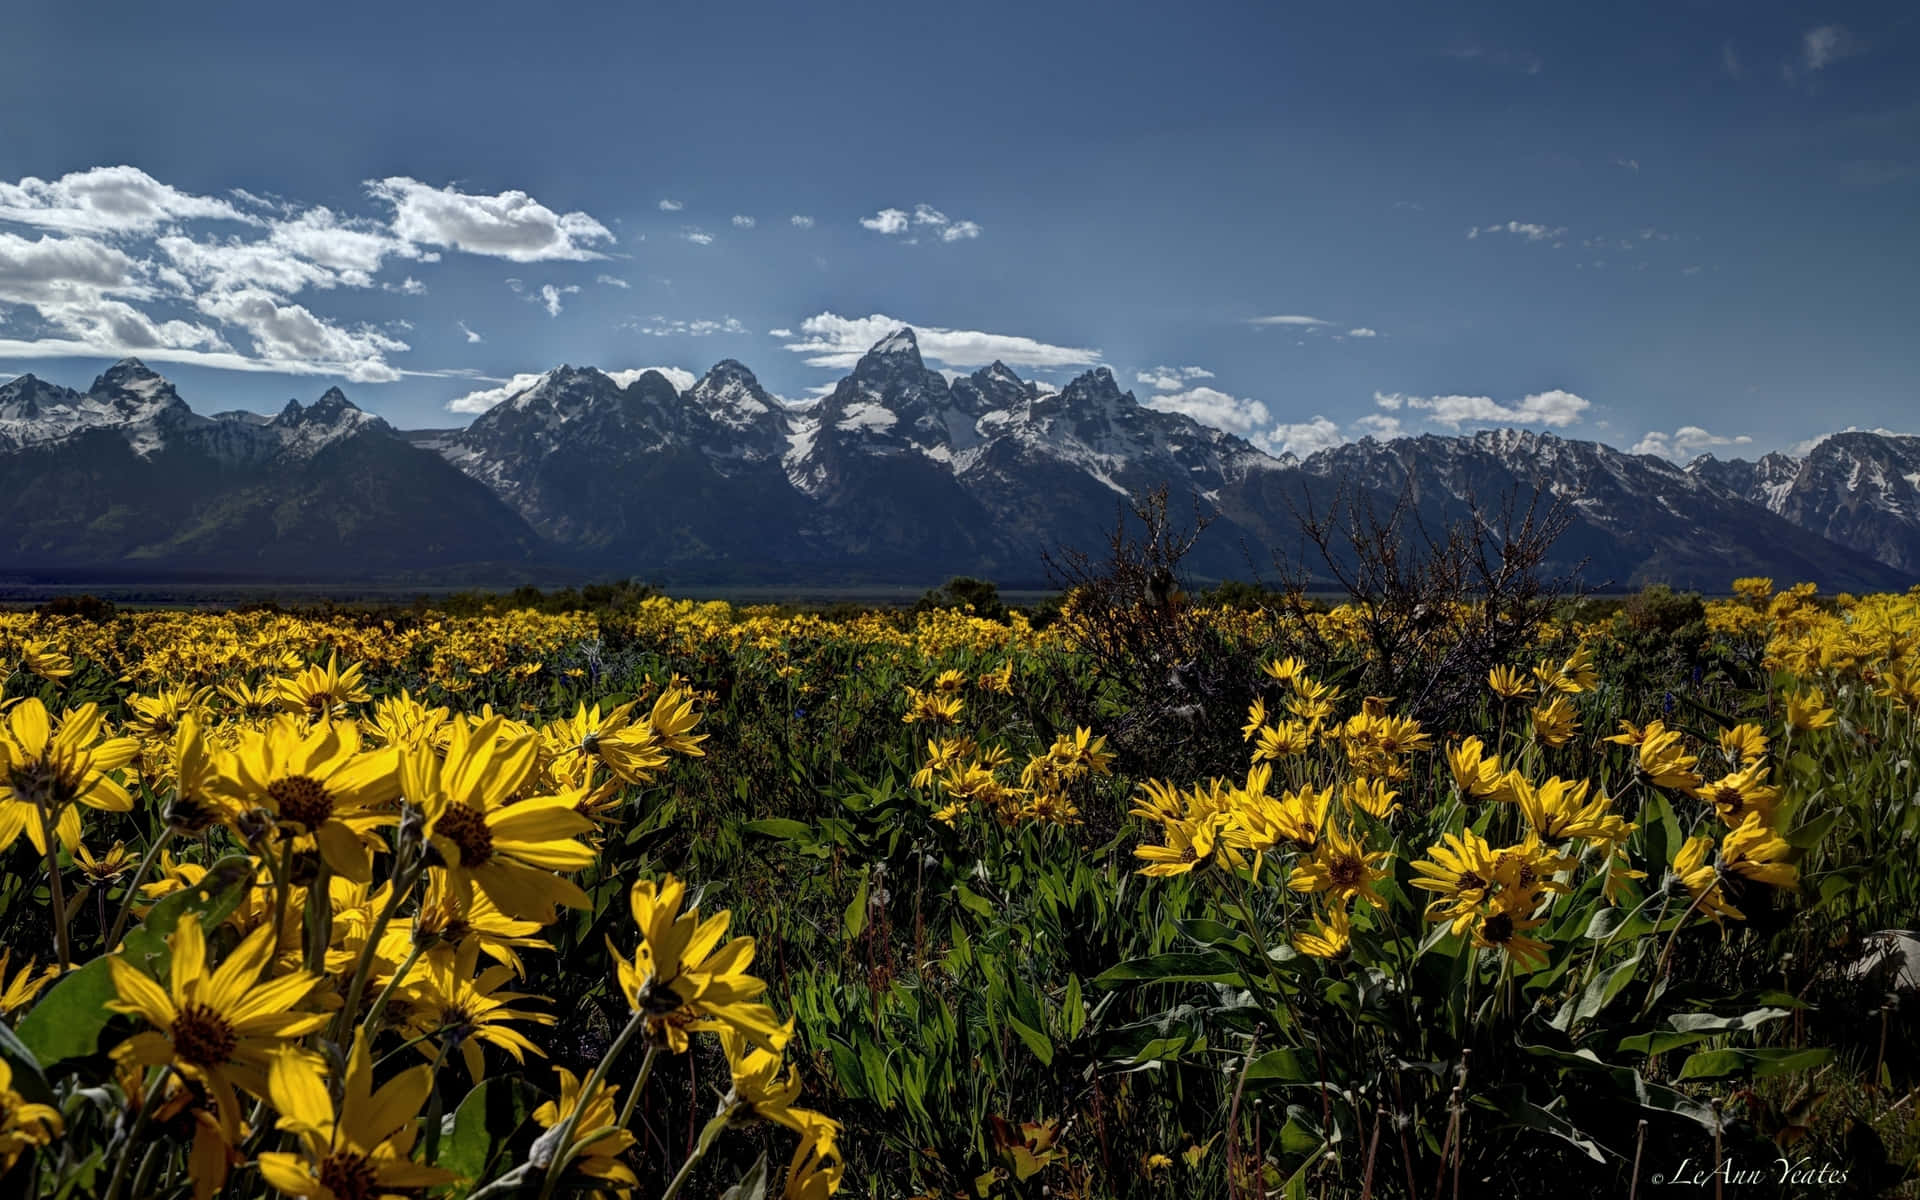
{"x":897,"y":475}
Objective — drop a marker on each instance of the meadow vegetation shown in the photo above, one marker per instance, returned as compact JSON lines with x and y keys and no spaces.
{"x":1156,"y":897}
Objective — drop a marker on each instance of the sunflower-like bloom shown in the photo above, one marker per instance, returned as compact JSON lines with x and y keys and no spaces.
{"x":1509,"y":683}
{"x":318,"y":784}
{"x":1189,"y":844}
{"x":1342,"y":866}
{"x":186,"y":1113}
{"x":101,"y":870}
{"x":1373,"y":797}
{"x":197,"y":803}
{"x":217,"y":1028}
{"x":451,"y":1003}
{"x":1559,"y":810}
{"x":248,"y":700}
{"x":1753,"y":851}
{"x":1505,"y":929}
{"x":1459,"y":869}
{"x":1284,"y":739}
{"x":814,"y":1171}
{"x":322,"y":692}
{"x":1661,"y":754}
{"x":158,"y":715}
{"x":510,"y":851}
{"x":1741,"y":794}
{"x":403,"y":721}
{"x":1808,"y":711}
{"x":23,"y":1125}
{"x":683,"y":978}
{"x":1285,"y":670}
{"x":1256,"y":717}
{"x":1744,"y":744}
{"x":598,"y":1141}
{"x":1555,"y":722}
{"x":363,"y":1150}
{"x":1701,"y":877}
{"x":1477,"y":773}
{"x":18,"y":992}
{"x":44,"y":772}
{"x":43,"y":658}
{"x":931,"y":707}
{"x":1329,"y":937}
{"x":760,"y":1092}
{"x":446,"y":923}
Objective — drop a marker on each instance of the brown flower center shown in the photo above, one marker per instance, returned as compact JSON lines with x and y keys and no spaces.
{"x":1498,"y":928}
{"x":466,"y":827}
{"x":349,"y":1176}
{"x":301,"y":800}
{"x":1471,"y":882}
{"x":1346,"y":871}
{"x":202,"y":1036}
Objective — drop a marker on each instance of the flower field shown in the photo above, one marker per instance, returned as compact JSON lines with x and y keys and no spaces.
{"x":669,"y":899}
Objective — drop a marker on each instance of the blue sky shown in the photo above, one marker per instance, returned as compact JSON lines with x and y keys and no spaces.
{"x":1671,"y":225}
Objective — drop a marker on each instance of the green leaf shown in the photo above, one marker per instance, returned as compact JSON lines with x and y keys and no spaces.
{"x":752,"y":1185}
{"x":856,"y":914}
{"x":1721,"y":1064}
{"x":1035,"y":1040}
{"x":485,"y":1121}
{"x":67,"y":1021}
{"x":1531,"y":1115}
{"x":780,"y":829}
{"x":1281,"y":1066}
{"x":1603,"y":987}
{"x":27,"y":1077}
{"x":1808,"y":836}
{"x":973,"y":901}
{"x":1208,"y":967}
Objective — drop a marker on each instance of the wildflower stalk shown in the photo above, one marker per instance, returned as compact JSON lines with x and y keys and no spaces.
{"x":139,"y":877}
{"x":639,"y":1085}
{"x":564,"y":1152}
{"x":372,"y":1022}
{"x":404,"y":879}
{"x":62,"y":940}
{"x":699,"y":1152}
{"x":135,"y":1139}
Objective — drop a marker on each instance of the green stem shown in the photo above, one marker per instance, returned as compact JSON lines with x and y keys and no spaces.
{"x":372,"y":1023}
{"x":686,"y":1168}
{"x":561,"y":1155}
{"x":1259,"y":939}
{"x":61,"y":938}
{"x":640,"y":1084}
{"x":403,"y":882}
{"x":133,"y":889}
{"x":283,"y":891}
{"x":118,"y":1180}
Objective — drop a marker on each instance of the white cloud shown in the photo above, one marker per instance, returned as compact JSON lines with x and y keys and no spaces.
{"x":800,"y":221}
{"x":958,"y":230}
{"x":671,"y":206}
{"x":1531,"y":231}
{"x":888,"y":221}
{"x":743,"y":222}
{"x":1551,"y":408}
{"x":927,"y":214}
{"x":49,"y":270}
{"x":831,"y":340}
{"x":698,"y":237}
{"x":660,"y":326}
{"x":109,"y":202}
{"x":1729,"y":60}
{"x":780,"y":333}
{"x":1209,"y":406}
{"x":679,"y":377}
{"x":485,"y":398}
{"x":472,"y":337}
{"x":516,"y":285}
{"x":611,"y":281}
{"x":511,"y":225}
{"x":1631,"y":164}
{"x":1363,"y":332}
{"x":1379,"y":425}
{"x":1303,"y":438}
{"x":1685,"y":442}
{"x":1827,"y":45}
{"x":550,"y":296}
{"x":1171,"y":379}
{"x":352,"y":248}
{"x":292,"y":333}
{"x":1287,"y":319}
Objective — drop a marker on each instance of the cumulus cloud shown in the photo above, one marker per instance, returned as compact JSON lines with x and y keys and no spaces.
{"x":1289,"y":319}
{"x":1530,"y":230}
{"x":831,"y":340}
{"x":1302,"y":438}
{"x":1827,"y":45}
{"x":671,"y":206}
{"x":800,"y":221}
{"x":1685,"y":442}
{"x":292,"y":333}
{"x":1363,"y":332}
{"x":1171,"y":379}
{"x":109,"y":201}
{"x":659,"y":326}
{"x":511,"y":225}
{"x":472,"y":337}
{"x":485,"y":398}
{"x":959,"y":231}
{"x":1379,"y":425}
{"x":1210,"y":406}
{"x":698,"y":237}
{"x":742,"y":221}
{"x":550,"y":296}
{"x":888,"y":221}
{"x":1551,"y":408}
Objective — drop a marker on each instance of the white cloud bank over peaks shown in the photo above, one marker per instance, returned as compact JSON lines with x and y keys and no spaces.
{"x":109,"y":261}
{"x":1555,"y":408}
{"x":831,"y":340}
{"x":486,"y":398}
{"x":1685,"y":442}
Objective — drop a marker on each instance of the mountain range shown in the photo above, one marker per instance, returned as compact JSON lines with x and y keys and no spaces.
{"x":899,"y":474}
